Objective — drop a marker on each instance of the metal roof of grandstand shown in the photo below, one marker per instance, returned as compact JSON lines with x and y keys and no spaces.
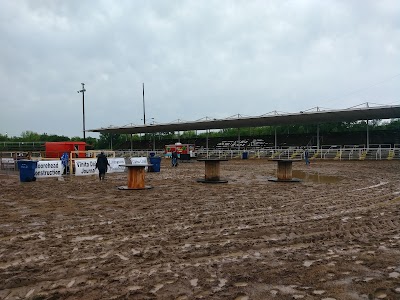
{"x":270,"y":119}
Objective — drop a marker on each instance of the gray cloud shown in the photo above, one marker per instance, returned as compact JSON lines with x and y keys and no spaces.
{"x":196,"y":58}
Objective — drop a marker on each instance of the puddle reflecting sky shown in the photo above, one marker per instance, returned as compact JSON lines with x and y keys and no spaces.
{"x":315,"y":177}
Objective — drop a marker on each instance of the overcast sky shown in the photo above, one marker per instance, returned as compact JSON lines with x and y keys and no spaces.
{"x":195,"y":58}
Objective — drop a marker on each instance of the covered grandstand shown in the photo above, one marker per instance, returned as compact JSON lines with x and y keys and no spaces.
{"x":383,"y":146}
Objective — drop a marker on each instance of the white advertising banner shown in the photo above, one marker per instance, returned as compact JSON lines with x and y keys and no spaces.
{"x":7,"y":160}
{"x":49,"y":168}
{"x":7,"y":163}
{"x":139,"y":160}
{"x":115,"y":165}
{"x":85,"y":167}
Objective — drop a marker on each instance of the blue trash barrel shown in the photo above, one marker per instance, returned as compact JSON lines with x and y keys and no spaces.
{"x":27,"y":170}
{"x":245,"y":155}
{"x":156,"y":163}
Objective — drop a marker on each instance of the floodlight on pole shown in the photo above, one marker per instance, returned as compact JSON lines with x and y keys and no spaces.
{"x":83,"y":109}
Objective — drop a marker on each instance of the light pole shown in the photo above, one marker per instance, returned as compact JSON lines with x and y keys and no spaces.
{"x":144,"y":110}
{"x":154,"y":137}
{"x":131,"y":141}
{"x":83,"y":109}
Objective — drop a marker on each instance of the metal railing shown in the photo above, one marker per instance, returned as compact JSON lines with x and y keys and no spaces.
{"x":325,"y":152}
{"x":9,"y":159}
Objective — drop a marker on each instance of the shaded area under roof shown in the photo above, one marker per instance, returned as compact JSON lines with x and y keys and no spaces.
{"x":318,"y":117}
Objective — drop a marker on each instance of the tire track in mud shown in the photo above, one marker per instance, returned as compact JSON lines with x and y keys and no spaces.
{"x":209,"y":241}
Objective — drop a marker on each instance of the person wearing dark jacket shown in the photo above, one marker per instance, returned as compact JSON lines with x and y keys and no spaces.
{"x":101,"y":164}
{"x":307,"y":157}
{"x":174,"y":157}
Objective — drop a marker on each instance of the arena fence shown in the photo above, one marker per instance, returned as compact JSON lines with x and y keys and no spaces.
{"x":325,"y":152}
{"x":8,"y":160}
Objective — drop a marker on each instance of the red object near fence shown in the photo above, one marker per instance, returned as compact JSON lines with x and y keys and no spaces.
{"x":180,"y":149}
{"x":56,"y":149}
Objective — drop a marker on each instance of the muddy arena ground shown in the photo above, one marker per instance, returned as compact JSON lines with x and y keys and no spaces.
{"x":335,"y":235}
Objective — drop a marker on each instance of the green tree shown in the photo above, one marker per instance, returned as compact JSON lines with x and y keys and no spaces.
{"x":110,"y":141}
{"x":393,"y":124}
{"x":3,"y":138}
{"x":92,"y":143}
{"x":188,"y":134}
{"x":53,"y":138}
{"x":30,"y":136}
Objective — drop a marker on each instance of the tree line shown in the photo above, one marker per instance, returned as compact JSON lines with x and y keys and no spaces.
{"x":112,"y":140}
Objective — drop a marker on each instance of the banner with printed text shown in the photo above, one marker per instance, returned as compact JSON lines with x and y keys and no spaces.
{"x":88,"y":166}
{"x":49,"y":168}
{"x":139,"y":160}
{"x":85,"y":167}
{"x":115,"y":165}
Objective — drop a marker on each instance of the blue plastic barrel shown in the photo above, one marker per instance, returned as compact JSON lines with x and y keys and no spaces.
{"x":156,"y":163}
{"x":244,"y":155}
{"x":27,"y":170}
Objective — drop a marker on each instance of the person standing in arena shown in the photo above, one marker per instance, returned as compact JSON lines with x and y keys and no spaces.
{"x":307,"y":157}
{"x":174,"y":157}
{"x":101,"y":164}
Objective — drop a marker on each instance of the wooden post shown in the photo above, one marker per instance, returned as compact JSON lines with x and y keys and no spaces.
{"x":284,"y":171}
{"x":212,"y":170}
{"x":136,"y":177}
